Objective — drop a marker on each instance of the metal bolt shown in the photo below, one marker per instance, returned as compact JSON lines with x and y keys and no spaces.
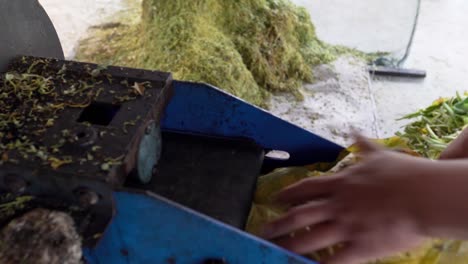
{"x":149,"y":128}
{"x":86,"y":137}
{"x":87,"y":197}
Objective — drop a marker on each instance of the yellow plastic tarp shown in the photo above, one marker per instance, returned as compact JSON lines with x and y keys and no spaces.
{"x":264,"y":210}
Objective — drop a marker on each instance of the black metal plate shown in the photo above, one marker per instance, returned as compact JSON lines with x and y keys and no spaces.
{"x":116,"y":137}
{"x":99,"y":126}
{"x":58,"y":191}
{"x":214,"y":176}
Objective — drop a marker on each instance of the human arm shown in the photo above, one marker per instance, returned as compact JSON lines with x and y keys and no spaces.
{"x":388,"y":203}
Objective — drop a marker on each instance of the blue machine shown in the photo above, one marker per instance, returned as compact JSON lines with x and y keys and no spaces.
{"x":148,"y":228}
{"x":151,"y":229}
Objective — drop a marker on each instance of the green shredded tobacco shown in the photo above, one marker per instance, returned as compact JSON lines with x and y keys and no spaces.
{"x":249,"y":48}
{"x":9,"y":208}
{"x":436,"y":126}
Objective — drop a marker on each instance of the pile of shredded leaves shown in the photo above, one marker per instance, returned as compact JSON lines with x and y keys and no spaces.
{"x":434,"y":128}
{"x":249,"y":48}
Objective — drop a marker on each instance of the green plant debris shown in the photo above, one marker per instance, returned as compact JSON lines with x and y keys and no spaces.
{"x":436,"y":126}
{"x":30,"y":104}
{"x":130,"y":123}
{"x":110,"y":162}
{"x":34,"y":95}
{"x":248,"y":48}
{"x":8,"y":209}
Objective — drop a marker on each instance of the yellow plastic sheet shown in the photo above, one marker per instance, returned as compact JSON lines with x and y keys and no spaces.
{"x":264,"y":210}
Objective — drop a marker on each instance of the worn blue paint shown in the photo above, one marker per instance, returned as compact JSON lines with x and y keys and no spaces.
{"x":204,"y":109}
{"x":148,"y":229}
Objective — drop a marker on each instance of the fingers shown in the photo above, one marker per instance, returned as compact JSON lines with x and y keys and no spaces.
{"x":318,"y":237}
{"x":308,"y":190}
{"x":298,"y":218}
{"x":365,"y":145}
{"x":456,"y":149}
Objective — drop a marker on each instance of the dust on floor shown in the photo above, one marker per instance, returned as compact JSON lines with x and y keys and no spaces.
{"x":336,"y":104}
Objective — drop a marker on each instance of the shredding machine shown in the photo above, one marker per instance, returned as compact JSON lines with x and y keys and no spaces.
{"x":156,"y":170}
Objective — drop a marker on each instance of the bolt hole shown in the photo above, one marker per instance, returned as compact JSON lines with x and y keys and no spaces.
{"x":87,"y":197}
{"x":81,"y":135}
{"x":99,"y":113}
{"x":278,"y":155}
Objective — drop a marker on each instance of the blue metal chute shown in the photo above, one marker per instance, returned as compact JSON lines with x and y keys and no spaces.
{"x":148,"y":229}
{"x":204,"y":109}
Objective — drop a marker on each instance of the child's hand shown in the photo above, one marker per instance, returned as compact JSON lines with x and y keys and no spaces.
{"x":373,"y":209}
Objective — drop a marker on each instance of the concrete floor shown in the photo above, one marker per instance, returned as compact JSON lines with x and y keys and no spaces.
{"x":368,"y":25}
{"x":439,"y":47}
{"x":337,"y":103}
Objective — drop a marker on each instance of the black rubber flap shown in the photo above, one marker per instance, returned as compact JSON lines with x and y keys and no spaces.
{"x":214,"y":176}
